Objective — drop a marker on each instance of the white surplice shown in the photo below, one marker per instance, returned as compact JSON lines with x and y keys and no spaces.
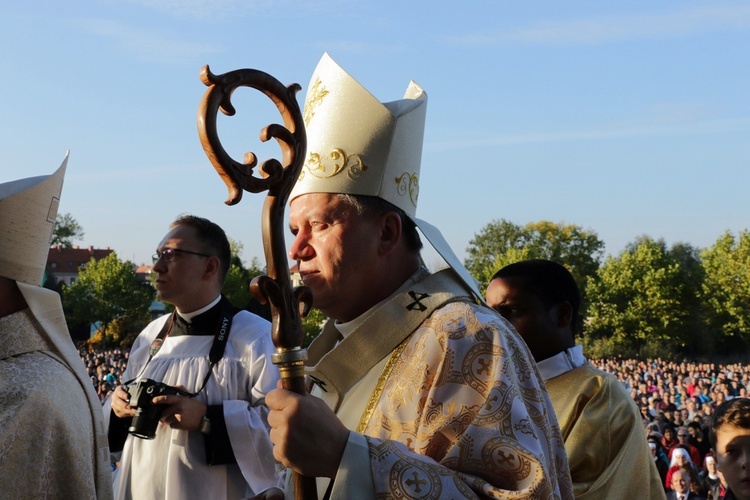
{"x":173,"y":464}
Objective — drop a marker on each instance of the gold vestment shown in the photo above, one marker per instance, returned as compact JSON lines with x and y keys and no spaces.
{"x":605,"y":439}
{"x":454,"y":405}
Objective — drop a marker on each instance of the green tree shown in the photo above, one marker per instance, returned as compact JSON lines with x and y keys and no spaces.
{"x":490,"y":245}
{"x":106,"y":292}
{"x":237,"y":283}
{"x":501,"y":242}
{"x":312,"y":324}
{"x":726,"y":286}
{"x":66,"y":231}
{"x":697,"y":337}
{"x":235,"y":249}
{"x":635,"y":302}
{"x":237,"y":286}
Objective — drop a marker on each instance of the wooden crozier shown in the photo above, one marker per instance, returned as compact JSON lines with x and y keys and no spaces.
{"x":287,"y":304}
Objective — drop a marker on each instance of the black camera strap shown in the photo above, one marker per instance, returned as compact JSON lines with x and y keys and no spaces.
{"x":219,"y":345}
{"x":221,"y":337}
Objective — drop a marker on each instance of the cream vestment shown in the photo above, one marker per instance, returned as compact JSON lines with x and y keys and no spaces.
{"x":52,"y":438}
{"x":443,"y":399}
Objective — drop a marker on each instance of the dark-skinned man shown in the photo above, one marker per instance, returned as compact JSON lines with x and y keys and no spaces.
{"x":604,"y":436}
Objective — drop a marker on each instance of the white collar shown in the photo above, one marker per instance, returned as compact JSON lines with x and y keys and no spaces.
{"x":188,"y":317}
{"x":562,"y":362}
{"x":346,"y":328}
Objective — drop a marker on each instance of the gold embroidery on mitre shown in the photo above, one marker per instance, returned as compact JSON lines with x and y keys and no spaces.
{"x":340,"y":162}
{"x":317,"y":93}
{"x":408,"y":183}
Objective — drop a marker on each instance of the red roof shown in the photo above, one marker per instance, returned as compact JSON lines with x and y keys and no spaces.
{"x":144,"y":269}
{"x":68,"y":260}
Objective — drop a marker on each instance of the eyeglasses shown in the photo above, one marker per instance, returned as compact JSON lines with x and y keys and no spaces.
{"x":169,"y":254}
{"x":682,"y":435}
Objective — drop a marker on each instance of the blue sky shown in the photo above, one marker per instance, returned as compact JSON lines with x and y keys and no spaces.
{"x":626,"y":118}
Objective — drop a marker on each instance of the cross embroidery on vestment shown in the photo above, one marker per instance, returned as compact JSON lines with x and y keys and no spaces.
{"x":417,"y":304}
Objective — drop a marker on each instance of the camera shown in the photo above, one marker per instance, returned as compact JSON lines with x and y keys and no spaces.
{"x":147,"y":414}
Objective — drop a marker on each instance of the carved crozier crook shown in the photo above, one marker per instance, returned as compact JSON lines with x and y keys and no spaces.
{"x":287,"y":304}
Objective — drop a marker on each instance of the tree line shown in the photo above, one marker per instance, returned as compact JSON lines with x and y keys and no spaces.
{"x":650,"y":300}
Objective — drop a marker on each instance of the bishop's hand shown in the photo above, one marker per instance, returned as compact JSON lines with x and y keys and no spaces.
{"x":306,"y":435}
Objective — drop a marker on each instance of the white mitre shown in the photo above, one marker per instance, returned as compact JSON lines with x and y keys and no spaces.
{"x":28,"y":208}
{"x":358,"y":145}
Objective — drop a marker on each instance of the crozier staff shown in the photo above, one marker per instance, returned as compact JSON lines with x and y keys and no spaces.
{"x":287,"y":304}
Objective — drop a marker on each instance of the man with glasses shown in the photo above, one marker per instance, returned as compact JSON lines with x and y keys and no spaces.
{"x":211,"y":440}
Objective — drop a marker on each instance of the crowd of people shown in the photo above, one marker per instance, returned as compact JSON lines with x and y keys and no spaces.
{"x":676,"y":399}
{"x":105,"y":368}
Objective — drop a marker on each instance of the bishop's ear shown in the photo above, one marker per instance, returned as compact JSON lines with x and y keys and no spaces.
{"x":390,"y":232}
